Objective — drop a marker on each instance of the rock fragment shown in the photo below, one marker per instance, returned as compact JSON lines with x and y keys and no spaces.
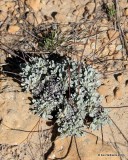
{"x":13,"y":29}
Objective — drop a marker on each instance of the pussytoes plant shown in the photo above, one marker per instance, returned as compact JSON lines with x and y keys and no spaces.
{"x":65,"y":91}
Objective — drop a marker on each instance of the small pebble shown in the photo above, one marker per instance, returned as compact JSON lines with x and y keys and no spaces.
{"x":119,"y":47}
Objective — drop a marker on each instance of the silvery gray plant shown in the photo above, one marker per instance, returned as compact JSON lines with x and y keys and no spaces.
{"x":64,"y":90}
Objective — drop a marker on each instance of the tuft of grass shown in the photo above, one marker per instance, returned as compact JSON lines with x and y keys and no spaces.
{"x":50,"y":41}
{"x":111,"y":11}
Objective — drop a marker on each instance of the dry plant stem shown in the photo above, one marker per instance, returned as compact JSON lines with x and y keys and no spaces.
{"x":95,"y":44}
{"x":119,"y":130}
{"x":68,"y":150}
{"x":31,"y":131}
{"x":122,"y":37}
{"x":21,"y":130}
{"x":79,"y":78}
{"x":40,"y":144}
{"x":115,"y":72}
{"x":9,"y":50}
{"x":117,"y":107}
{"x":11,"y":73}
{"x":30,"y":33}
{"x":1,"y":25}
{"x":97,"y":139}
{"x":38,"y":130}
{"x":3,"y":64}
{"x":77,"y":148}
{"x":115,"y":144}
{"x":30,"y":148}
{"x":100,"y":50}
{"x":80,"y":64}
{"x":69,"y":80}
{"x":39,"y":134}
{"x":91,"y":134}
{"x":102,"y":135}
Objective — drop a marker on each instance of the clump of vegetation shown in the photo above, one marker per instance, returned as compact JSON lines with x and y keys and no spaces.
{"x":109,"y":10}
{"x":49,"y":38}
{"x":49,"y":42}
{"x":64,"y":91}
